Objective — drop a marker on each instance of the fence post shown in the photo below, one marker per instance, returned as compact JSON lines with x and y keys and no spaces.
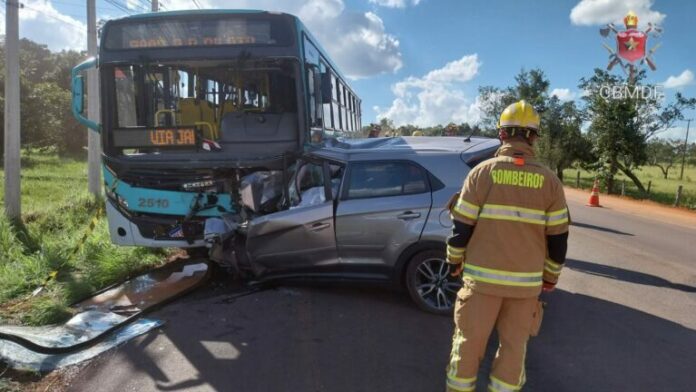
{"x":577,"y":180}
{"x":623,"y":187}
{"x":677,"y":199}
{"x":649,"y":185}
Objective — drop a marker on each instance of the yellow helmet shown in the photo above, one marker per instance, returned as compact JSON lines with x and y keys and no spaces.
{"x":520,"y":115}
{"x":417,"y":133}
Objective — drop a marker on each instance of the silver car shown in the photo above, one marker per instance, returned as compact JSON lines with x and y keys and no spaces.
{"x":372,"y":210}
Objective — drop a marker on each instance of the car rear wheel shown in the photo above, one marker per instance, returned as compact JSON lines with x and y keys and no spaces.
{"x":430,"y":284}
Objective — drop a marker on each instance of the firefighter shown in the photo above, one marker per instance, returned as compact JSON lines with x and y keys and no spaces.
{"x":509,"y":242}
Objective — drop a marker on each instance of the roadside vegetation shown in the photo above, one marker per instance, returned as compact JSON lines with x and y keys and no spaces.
{"x":662,"y":190}
{"x":617,"y":139}
{"x":57,"y":210}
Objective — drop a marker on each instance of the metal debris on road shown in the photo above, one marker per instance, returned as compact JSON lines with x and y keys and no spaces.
{"x":103,"y":321}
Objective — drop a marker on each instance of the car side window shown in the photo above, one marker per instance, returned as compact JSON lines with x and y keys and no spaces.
{"x":307,"y":185}
{"x":382,"y":179}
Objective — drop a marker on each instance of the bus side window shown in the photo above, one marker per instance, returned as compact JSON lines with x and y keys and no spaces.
{"x":313,"y":115}
{"x":327,"y":91}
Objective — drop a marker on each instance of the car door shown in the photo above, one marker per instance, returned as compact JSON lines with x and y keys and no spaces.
{"x":383,"y":208}
{"x":303,"y":236}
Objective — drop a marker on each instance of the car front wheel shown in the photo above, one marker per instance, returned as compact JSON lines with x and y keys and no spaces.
{"x":430,"y":284}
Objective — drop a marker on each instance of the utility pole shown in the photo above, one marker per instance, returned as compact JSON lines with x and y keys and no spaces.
{"x":686,"y":147}
{"x":93,"y":138}
{"x":155,"y":5}
{"x":13,"y":207}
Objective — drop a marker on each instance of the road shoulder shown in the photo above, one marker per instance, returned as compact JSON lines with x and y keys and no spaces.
{"x":643,"y":208}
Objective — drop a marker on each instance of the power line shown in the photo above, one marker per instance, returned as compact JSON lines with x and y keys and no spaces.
{"x":145,"y":4}
{"x":82,"y":5}
{"x":197,"y":4}
{"x":120,"y":6}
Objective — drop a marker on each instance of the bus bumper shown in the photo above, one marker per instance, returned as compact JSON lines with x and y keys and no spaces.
{"x":124,"y":232}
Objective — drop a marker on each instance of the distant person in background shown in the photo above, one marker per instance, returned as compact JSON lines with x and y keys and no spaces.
{"x":451,"y":130}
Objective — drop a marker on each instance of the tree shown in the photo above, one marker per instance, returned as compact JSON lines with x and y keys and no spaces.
{"x":621,"y":126}
{"x":562,"y":142}
{"x":46,"y":120}
{"x":691,"y":154}
{"x":531,"y":86}
{"x":663,"y":154}
{"x":387,"y":126}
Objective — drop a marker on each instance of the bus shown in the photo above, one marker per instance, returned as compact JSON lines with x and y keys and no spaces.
{"x":195,"y":105}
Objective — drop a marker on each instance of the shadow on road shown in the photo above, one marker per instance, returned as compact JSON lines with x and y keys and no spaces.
{"x":626,"y":275}
{"x":600,"y":228}
{"x":588,"y":344}
{"x":324,"y":339}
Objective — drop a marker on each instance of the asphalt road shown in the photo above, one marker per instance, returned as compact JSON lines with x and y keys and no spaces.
{"x":622,"y":319}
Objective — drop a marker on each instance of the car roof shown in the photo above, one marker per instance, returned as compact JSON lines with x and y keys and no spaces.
{"x":404,"y":147}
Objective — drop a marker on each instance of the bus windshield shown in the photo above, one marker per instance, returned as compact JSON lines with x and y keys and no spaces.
{"x":182,"y":95}
{"x":210,"y":99}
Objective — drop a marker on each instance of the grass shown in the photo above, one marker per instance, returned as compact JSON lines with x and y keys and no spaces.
{"x":662,"y":190}
{"x":56,"y":211}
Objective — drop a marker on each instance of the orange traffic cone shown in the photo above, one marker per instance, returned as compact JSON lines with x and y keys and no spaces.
{"x":594,"y":196}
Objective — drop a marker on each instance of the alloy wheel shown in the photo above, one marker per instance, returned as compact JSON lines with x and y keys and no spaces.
{"x":434,"y":284}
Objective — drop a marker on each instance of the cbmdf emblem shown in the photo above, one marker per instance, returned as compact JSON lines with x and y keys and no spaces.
{"x":630,"y":52}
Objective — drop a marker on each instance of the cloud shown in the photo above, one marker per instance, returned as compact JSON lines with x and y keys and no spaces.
{"x":41,"y":22}
{"x":598,"y":12}
{"x":395,"y":3}
{"x":564,"y":94}
{"x":435,"y":98}
{"x":682,"y":80}
{"x":358,"y":42}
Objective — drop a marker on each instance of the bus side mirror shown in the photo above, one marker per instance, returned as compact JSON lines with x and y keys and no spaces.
{"x":326,"y":87}
{"x":78,"y":99}
{"x":78,"y":94}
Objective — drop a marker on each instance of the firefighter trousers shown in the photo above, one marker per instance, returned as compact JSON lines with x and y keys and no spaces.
{"x":475,"y":315}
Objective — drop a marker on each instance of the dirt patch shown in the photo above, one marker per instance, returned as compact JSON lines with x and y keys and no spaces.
{"x":56,"y":381}
{"x":643,"y":208}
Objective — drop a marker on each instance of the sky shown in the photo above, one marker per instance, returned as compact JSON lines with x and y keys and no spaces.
{"x":422,"y":61}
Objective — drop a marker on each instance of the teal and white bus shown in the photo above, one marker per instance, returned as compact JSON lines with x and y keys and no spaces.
{"x":194,"y":102}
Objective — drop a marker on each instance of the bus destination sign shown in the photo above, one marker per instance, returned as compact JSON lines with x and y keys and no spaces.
{"x":193,"y":33}
{"x":157,"y":137}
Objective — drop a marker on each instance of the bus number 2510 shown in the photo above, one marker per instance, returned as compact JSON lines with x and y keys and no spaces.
{"x":150,"y":203}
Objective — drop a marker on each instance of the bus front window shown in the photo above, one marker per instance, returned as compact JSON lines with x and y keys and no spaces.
{"x":192,"y":95}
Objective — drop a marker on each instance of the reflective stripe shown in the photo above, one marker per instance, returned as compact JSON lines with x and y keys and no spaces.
{"x":454,"y":382}
{"x":466,"y":209}
{"x":507,"y":278}
{"x":524,"y":215}
{"x":498,"y":385}
{"x":557,"y":217}
{"x":451,"y":250}
{"x":461,"y":384}
{"x":455,"y":255}
{"x":512,"y":213}
{"x":552,"y":267}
